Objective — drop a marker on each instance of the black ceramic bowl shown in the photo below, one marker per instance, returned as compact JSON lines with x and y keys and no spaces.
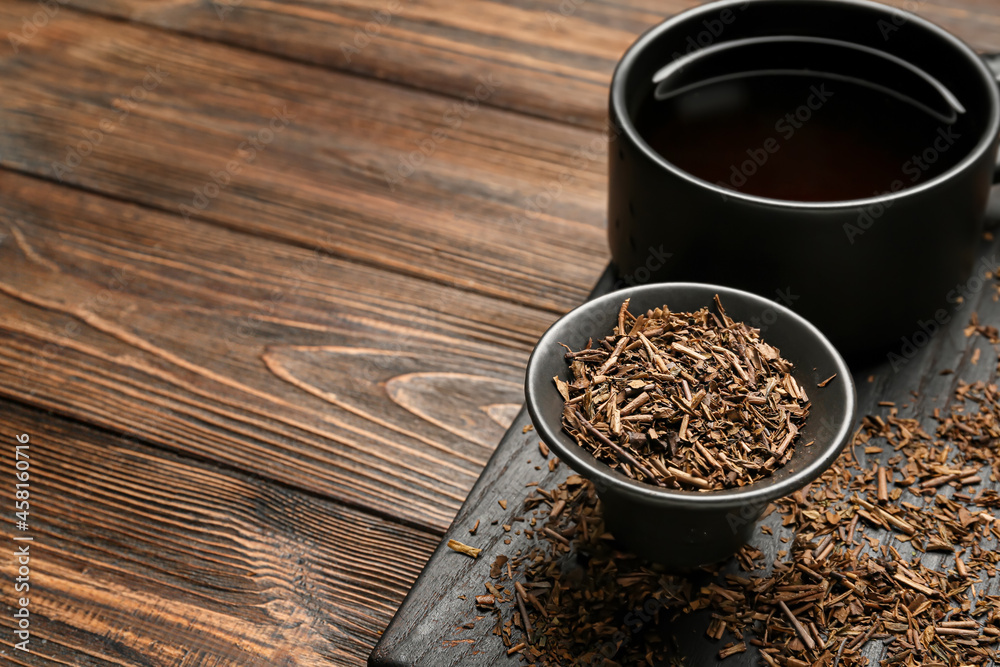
{"x":683,"y":529}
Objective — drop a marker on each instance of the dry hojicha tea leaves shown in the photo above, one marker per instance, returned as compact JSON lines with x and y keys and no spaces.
{"x":471,"y":552}
{"x":895,"y":559}
{"x":684,"y":400}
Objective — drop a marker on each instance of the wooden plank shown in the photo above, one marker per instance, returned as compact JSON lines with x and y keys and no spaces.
{"x":426,"y":629}
{"x":558,"y":55}
{"x":496,"y":203}
{"x":142,"y":557}
{"x":380,"y":390}
{"x":975,"y":21}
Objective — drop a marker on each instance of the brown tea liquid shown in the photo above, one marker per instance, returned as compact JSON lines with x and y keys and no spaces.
{"x":801,"y":137}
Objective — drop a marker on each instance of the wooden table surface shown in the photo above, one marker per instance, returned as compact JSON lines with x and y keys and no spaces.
{"x":268,"y":293}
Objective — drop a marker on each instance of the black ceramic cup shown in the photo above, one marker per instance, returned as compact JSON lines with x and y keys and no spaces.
{"x":866,"y":271}
{"x":685,"y":529}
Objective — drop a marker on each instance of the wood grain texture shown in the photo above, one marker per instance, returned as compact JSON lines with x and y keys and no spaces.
{"x":977,"y":22}
{"x":558,"y":55}
{"x":382,"y":391}
{"x":310,"y":357}
{"x":427,"y":630}
{"x":140,"y":557}
{"x":481,"y":199}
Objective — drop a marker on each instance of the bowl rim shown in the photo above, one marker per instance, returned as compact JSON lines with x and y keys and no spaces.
{"x":603,"y":475}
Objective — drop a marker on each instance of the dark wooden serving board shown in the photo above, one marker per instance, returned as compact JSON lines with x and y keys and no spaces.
{"x":427,"y":628}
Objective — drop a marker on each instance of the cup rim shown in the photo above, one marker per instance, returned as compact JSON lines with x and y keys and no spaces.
{"x":619,"y":109}
{"x":602,"y":474}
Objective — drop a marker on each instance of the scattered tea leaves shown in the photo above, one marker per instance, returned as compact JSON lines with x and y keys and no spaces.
{"x":852,"y":570}
{"x":472,"y":552}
